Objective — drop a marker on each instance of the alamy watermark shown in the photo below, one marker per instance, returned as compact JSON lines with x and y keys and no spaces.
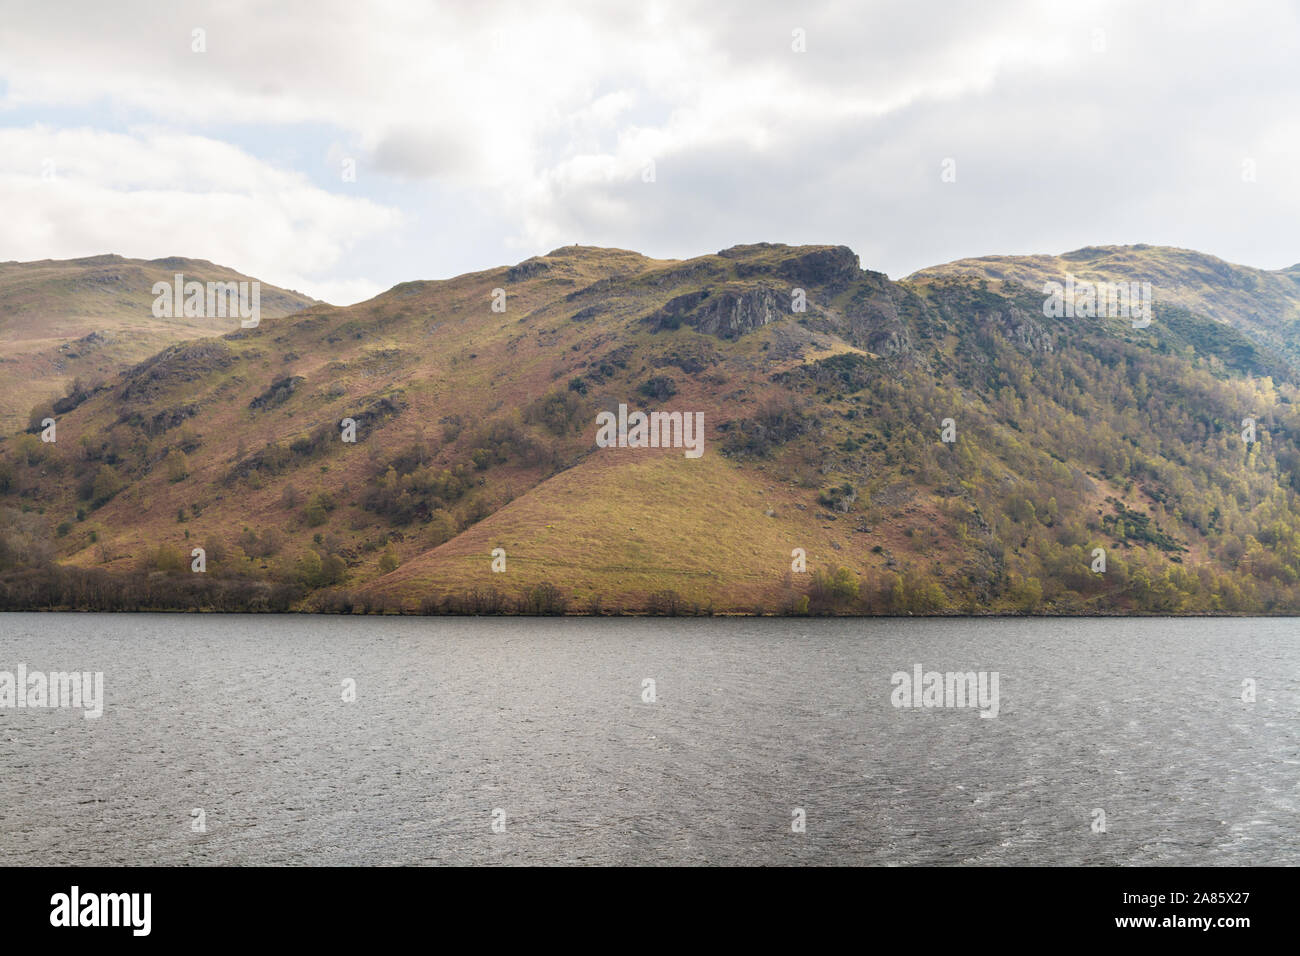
{"x":129,"y":910}
{"x":923,"y":688}
{"x":37,"y":689}
{"x":1087,"y":300}
{"x":656,"y":430}
{"x":215,"y":300}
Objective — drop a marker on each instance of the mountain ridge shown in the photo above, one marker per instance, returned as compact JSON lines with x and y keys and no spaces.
{"x":825,"y":417}
{"x":1264,"y":302}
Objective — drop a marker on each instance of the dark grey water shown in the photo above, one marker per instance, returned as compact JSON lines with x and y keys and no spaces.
{"x":545,"y":721}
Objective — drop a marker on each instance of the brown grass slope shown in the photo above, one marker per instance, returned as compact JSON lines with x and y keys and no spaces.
{"x":475,"y":431}
{"x":90,"y":318}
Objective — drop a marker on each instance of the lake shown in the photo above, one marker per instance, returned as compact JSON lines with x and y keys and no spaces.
{"x":638,"y":741}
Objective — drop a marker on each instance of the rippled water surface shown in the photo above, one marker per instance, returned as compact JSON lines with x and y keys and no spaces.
{"x":545,"y":721}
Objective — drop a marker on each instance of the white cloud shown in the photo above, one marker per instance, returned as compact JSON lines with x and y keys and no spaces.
{"x":544,"y":116}
{"x":152,"y":193}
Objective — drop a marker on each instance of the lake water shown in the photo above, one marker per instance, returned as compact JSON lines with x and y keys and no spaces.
{"x":545,"y":728}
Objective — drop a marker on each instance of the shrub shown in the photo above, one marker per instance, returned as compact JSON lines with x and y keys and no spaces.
{"x":660,"y":387}
{"x":665,"y":603}
{"x":833,"y":589}
{"x":106,"y":485}
{"x":554,"y":410}
{"x":176,"y":465}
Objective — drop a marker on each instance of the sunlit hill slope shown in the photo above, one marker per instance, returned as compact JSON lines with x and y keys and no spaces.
{"x":476,"y":483}
{"x":88,"y":319}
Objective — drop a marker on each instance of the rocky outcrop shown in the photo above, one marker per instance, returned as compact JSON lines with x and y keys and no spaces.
{"x":85,"y":345}
{"x":174,"y":366}
{"x":726,"y":313}
{"x":277,"y":393}
{"x":832,"y":267}
{"x":1024,"y":330}
{"x":527,"y":269}
{"x":872,"y":321}
{"x":730,"y":315}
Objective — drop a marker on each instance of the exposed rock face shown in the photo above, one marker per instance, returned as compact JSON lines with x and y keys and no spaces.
{"x":732,"y":309}
{"x":872,"y":322}
{"x":1024,"y":330}
{"x":730,"y":315}
{"x":676,"y":312}
{"x":726,"y":313}
{"x":527,"y":269}
{"x":889,"y":341}
{"x":833,"y":268}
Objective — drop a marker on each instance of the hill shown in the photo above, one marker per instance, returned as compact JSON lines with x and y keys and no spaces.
{"x":936,"y":445}
{"x":88,"y":319}
{"x":1265,"y":304}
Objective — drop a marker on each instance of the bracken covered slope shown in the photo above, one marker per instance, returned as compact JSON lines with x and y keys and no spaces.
{"x":825,"y":485}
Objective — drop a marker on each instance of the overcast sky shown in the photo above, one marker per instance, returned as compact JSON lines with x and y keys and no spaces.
{"x":482,"y":133}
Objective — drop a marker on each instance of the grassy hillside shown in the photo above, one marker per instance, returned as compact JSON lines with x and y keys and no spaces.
{"x":476,"y":431}
{"x":1263,"y":304}
{"x":88,"y":319}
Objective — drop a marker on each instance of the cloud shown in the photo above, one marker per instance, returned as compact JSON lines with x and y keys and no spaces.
{"x":1069,"y":125}
{"x":152,"y":193}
